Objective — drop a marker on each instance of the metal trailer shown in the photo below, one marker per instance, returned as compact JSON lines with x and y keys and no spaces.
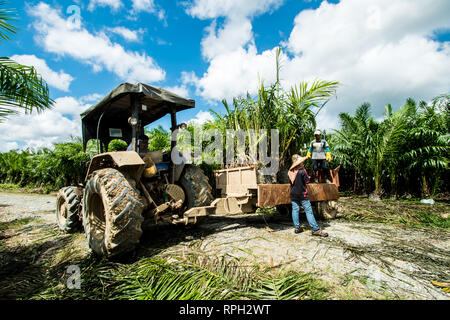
{"x":240,"y":193}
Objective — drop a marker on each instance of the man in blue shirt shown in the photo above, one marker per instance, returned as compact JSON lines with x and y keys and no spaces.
{"x":320,"y":155}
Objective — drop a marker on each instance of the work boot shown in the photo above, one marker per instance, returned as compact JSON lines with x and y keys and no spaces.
{"x":319,"y":233}
{"x":298,"y":230}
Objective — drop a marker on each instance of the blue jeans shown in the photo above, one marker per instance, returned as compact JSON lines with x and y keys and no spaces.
{"x":309,"y":214}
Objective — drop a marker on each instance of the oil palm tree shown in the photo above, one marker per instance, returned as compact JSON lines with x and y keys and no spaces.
{"x":353,"y":142}
{"x":411,"y":142}
{"x":427,"y":147}
{"x":21,"y":87}
{"x":388,"y":142}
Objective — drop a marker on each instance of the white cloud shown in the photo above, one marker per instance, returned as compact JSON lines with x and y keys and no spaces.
{"x":59,"y":80}
{"x":58,"y":36}
{"x":201,"y":118}
{"x":144,"y":5}
{"x":235,"y":34}
{"x":381,"y":51}
{"x":42,"y":129}
{"x":234,"y":63}
{"x":211,"y":9}
{"x":182,"y":90}
{"x":235,"y":73}
{"x":69,"y":106}
{"x":127,"y":34}
{"x":94,"y":97}
{"x":6,"y":146}
{"x":148,"y":6}
{"x":113,"y":4}
{"x":137,"y":6}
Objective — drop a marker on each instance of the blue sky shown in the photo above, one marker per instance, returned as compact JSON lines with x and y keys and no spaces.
{"x":381,"y":51}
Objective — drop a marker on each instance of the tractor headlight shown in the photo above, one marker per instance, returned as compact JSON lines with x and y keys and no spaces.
{"x":132,"y":121}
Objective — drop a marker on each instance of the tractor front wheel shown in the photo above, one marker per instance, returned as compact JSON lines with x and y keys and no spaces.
{"x":68,"y":209}
{"x":112,"y":213}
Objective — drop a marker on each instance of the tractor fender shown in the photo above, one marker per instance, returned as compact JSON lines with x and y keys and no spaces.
{"x":179,"y":170}
{"x":127,"y":162}
{"x":179,"y":166}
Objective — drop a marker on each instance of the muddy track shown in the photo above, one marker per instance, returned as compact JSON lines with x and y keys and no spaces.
{"x":357,"y":261}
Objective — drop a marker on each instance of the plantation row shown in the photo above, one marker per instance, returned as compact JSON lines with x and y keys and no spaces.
{"x":45,"y":168}
{"x":407,"y":152}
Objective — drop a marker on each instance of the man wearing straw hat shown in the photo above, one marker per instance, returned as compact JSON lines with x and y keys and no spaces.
{"x":298,"y":178}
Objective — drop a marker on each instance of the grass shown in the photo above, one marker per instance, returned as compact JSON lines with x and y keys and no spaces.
{"x":15,"y":224}
{"x":9,"y":186}
{"x":36,"y":268}
{"x":430,"y":220}
{"x":12,"y":187}
{"x":405,"y":212}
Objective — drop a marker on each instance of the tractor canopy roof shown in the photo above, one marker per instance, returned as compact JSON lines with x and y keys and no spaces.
{"x":115,"y":109}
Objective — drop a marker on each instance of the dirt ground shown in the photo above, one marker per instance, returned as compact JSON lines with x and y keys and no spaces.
{"x":359,"y":260}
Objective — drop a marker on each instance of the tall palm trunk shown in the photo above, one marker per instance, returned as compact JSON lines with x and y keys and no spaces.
{"x":425,"y":188}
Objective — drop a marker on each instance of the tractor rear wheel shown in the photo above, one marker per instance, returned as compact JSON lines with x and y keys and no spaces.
{"x":112,"y":213}
{"x":284,"y":209}
{"x":196,"y":187}
{"x":68,"y":209}
{"x":326,"y":210}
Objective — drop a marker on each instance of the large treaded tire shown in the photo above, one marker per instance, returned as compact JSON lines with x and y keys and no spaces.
{"x":195,"y":184}
{"x":112,"y":214}
{"x":325,"y":210}
{"x":68,"y":202}
{"x":284,"y":209}
{"x":196,"y":187}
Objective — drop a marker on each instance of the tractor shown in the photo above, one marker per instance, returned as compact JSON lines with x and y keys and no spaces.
{"x":123,"y":190}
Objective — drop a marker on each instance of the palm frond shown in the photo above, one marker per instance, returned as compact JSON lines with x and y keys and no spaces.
{"x":22,"y":87}
{"x":6,"y":29}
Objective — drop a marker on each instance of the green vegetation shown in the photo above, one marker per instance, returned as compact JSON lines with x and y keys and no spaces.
{"x":292,"y":112}
{"x":117,"y":145}
{"x":409,"y":213}
{"x":51,"y":169}
{"x":46,"y":169}
{"x":408,"y":151}
{"x":21,"y":87}
{"x":15,"y":224}
{"x":157,"y":279}
{"x":158,"y":139}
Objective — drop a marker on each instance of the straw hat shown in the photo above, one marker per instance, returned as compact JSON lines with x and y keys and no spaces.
{"x":317,"y":132}
{"x":297,"y":160}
